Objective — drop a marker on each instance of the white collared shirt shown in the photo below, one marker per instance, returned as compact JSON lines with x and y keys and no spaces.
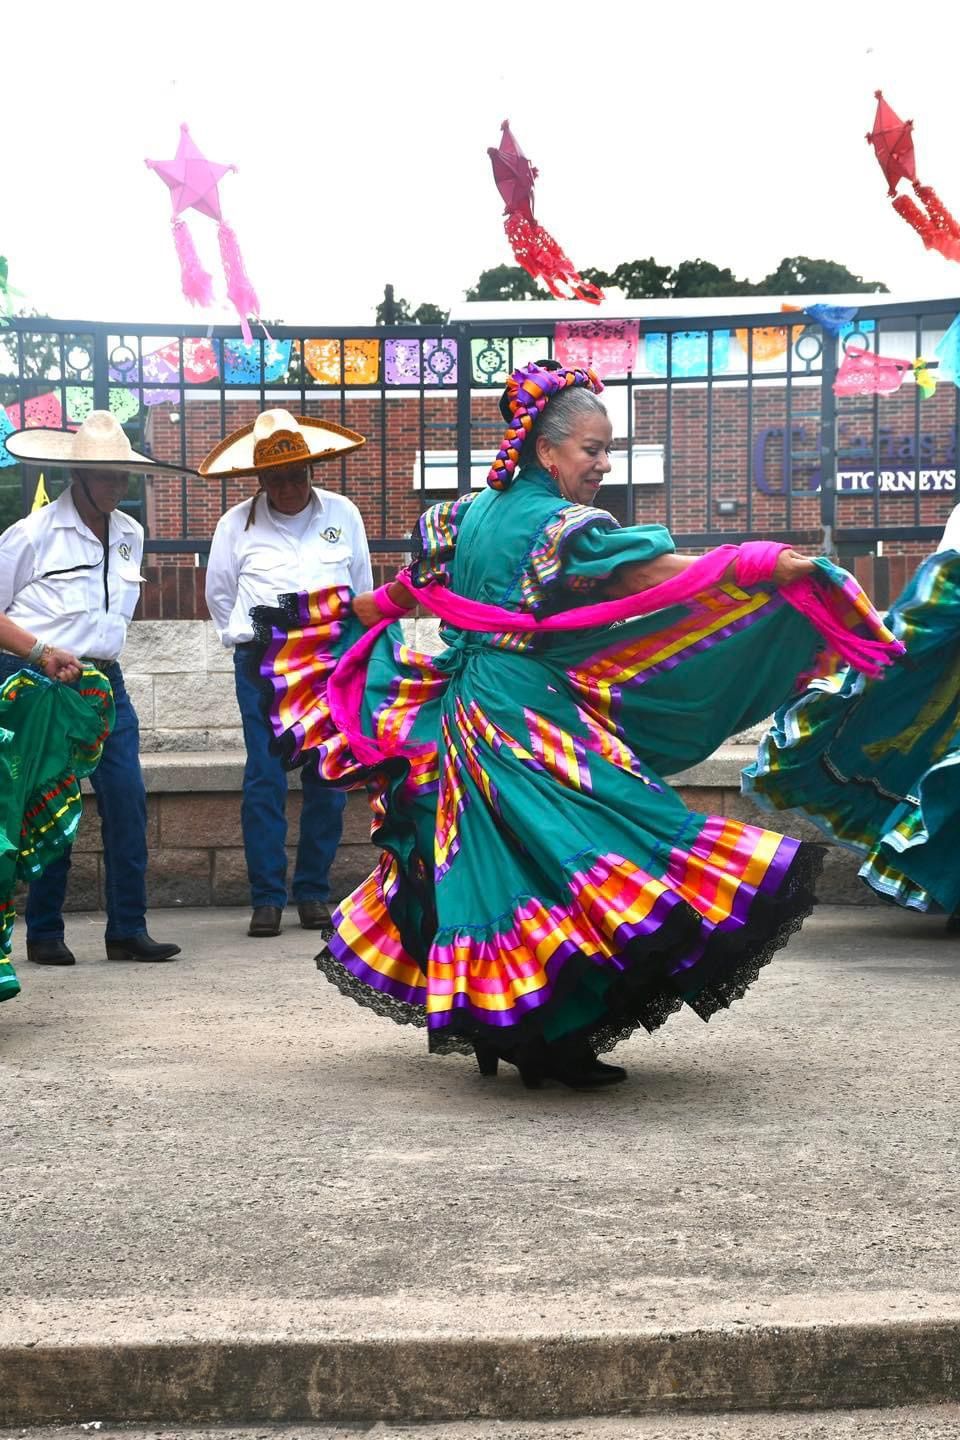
{"x":54,"y":582}
{"x":950,"y":539}
{"x":254,"y":567}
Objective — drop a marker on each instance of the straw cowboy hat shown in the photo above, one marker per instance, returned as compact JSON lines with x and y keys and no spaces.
{"x":99,"y":444}
{"x":275,"y":439}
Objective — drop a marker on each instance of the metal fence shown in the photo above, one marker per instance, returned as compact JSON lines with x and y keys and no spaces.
{"x":726,"y":426}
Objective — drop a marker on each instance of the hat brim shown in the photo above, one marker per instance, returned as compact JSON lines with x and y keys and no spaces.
{"x":39,"y":446}
{"x":234,"y":455}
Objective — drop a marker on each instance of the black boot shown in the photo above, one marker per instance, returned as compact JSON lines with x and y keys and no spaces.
{"x":571,"y":1063}
{"x":265,"y":922}
{"x":50,"y":952}
{"x":140,"y":947}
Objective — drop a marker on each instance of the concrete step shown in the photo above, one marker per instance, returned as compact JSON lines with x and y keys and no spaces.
{"x":908,"y":1423}
{"x":444,"y":1378}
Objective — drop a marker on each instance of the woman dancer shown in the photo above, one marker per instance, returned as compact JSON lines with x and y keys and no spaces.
{"x":51,"y":736}
{"x":876,"y":763}
{"x":541,"y":890}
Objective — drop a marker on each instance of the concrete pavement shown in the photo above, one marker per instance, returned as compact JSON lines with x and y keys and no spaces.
{"x":227,"y":1183}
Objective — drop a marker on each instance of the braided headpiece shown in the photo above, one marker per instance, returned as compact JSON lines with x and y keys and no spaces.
{"x":528,"y":392}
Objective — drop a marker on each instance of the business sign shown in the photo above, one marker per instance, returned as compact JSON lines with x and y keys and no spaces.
{"x":907,"y":462}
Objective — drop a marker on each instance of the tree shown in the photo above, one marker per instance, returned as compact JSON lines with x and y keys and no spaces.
{"x":40,"y":356}
{"x":40,"y":352}
{"x":799,"y":275}
{"x":691,"y":279}
{"x":391,"y":311}
{"x":694,"y":278}
{"x":506,"y":282}
{"x":638,"y":279}
{"x":11,"y":502}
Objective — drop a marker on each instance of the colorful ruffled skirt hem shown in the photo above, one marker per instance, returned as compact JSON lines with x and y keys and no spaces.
{"x":649,"y":970}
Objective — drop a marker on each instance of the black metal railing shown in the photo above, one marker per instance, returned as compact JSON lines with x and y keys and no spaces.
{"x":726,"y":426}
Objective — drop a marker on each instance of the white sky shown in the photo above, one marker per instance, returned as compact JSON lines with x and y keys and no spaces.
{"x":734,"y":132}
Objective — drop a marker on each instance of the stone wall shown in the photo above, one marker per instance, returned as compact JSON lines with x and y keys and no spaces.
{"x":180,"y":679}
{"x":196,"y":854}
{"x":194,"y":839}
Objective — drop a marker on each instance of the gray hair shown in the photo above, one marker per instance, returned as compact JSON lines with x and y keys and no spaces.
{"x":560,"y":416}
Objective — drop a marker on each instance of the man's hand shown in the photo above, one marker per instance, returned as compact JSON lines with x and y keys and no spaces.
{"x":791,"y":565}
{"x":59,"y":664}
{"x":366,"y":609}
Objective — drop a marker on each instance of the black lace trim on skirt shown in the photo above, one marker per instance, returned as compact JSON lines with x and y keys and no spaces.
{"x":647,"y":994}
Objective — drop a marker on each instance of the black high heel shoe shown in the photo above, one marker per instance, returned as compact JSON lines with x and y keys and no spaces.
{"x":571,"y":1063}
{"x":487,"y":1059}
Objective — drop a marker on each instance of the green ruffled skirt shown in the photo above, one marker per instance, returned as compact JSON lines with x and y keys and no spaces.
{"x":51,"y":736}
{"x":876,"y":763}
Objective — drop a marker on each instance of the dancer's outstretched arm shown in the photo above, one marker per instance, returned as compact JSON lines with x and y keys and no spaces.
{"x":641,"y":575}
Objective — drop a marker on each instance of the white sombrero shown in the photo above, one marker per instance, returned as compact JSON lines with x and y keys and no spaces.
{"x":99,"y":444}
{"x":275,"y":439}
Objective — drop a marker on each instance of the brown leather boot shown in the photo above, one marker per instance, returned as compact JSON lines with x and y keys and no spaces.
{"x":265,"y":921}
{"x":315,"y":915}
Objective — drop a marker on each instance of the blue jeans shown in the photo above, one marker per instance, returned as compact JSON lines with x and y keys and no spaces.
{"x":263,"y":810}
{"x":122,"y":802}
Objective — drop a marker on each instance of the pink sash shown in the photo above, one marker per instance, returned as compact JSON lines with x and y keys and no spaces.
{"x":755,"y":562}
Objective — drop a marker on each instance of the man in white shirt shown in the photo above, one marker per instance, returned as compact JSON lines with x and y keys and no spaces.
{"x":950,"y":539}
{"x":70,"y":574}
{"x":289,"y":537}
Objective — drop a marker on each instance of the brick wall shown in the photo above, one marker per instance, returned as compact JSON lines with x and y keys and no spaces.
{"x":379,"y":477}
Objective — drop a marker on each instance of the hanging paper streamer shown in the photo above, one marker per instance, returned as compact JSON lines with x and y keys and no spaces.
{"x":401,"y":361}
{"x":947,"y":353}
{"x":124,"y":404}
{"x":892,"y":141}
{"x":769,"y":342}
{"x":200,"y":361}
{"x":158,"y":365}
{"x":79,"y":403}
{"x":40,"y":496}
{"x":361,"y":361}
{"x":193,"y":181}
{"x":689,"y":353}
{"x":491,"y":358}
{"x":162,"y":366}
{"x":856,"y":327}
{"x":5,"y":429}
{"x":925,"y":378}
{"x":607,"y":346}
{"x":6,"y":291}
{"x":241,"y":362}
{"x":833,"y":318}
{"x":863,"y":373}
{"x":440,"y":362}
{"x":533,"y":247}
{"x":43,"y":410}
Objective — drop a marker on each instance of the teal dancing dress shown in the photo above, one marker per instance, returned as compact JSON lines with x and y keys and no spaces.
{"x":538,"y":878}
{"x":876,"y":763}
{"x":51,"y":737}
